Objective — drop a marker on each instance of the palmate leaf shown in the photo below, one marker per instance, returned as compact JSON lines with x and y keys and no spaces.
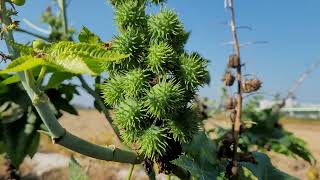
{"x":200,"y":158}
{"x":77,"y":58}
{"x":199,"y":172}
{"x":264,"y":170}
{"x":290,"y":145}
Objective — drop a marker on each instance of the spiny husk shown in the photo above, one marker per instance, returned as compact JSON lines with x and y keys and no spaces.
{"x":251,"y":85}
{"x":228,"y":78}
{"x":234,"y":61}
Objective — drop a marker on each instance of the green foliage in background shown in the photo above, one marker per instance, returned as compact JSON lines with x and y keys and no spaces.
{"x":262,"y":131}
{"x":267,"y":133}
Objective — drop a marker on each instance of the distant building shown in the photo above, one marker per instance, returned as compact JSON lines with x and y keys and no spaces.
{"x":295,"y":109}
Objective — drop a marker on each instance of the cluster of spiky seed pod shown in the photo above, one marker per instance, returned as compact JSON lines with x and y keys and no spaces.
{"x":152,"y":90}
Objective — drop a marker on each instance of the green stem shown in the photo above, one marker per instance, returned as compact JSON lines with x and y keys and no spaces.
{"x":152,"y":175}
{"x":130,"y":172}
{"x":41,"y":74}
{"x":62,"y":6}
{"x":100,"y":104}
{"x":32,"y":34}
{"x":57,"y":132}
{"x":92,"y":92}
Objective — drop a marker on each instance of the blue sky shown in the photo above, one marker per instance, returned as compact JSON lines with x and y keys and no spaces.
{"x":291,"y":28}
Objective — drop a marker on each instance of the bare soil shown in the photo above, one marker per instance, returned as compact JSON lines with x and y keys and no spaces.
{"x":92,"y":126}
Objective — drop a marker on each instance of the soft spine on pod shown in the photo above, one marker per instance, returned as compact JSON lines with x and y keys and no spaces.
{"x":151,"y":92}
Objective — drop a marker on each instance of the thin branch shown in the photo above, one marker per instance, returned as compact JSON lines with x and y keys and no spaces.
{"x":56,"y":131}
{"x":41,"y":75}
{"x":252,"y":43}
{"x":100,"y":104}
{"x":300,"y":80}
{"x":32,"y":34}
{"x":62,"y":7}
{"x":130,"y":172}
{"x":245,"y":27}
{"x":237,"y":122}
{"x":4,"y":57}
{"x":35,"y":27}
{"x":295,"y":86}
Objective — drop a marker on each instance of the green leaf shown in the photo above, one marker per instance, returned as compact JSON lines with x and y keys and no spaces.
{"x":2,"y":147}
{"x":87,"y":36}
{"x":264,"y":170}
{"x":202,"y":149}
{"x":24,"y":63}
{"x":33,"y":146}
{"x":200,"y":159}
{"x":20,"y":137}
{"x":57,"y":78}
{"x":76,"y":172}
{"x":61,"y":100}
{"x":200,"y":172}
{"x":11,"y":80}
{"x":81,"y":58}
{"x":246,"y":174}
{"x":77,"y":58}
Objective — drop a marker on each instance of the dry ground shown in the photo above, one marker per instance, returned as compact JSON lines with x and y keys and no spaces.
{"x":91,"y":126}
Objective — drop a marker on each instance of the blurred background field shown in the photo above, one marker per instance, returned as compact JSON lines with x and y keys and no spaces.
{"x":51,"y":160}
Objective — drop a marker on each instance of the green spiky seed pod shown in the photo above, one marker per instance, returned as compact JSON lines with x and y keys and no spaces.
{"x":153,"y":142}
{"x":157,"y":1}
{"x":112,"y":90}
{"x":135,"y":82}
{"x":129,"y":115}
{"x":161,"y":56}
{"x":167,"y":27}
{"x":130,"y":137}
{"x":193,"y":71}
{"x":117,"y":3}
{"x":130,"y":14}
{"x":185,"y":126}
{"x":130,"y":42}
{"x":164,"y":98}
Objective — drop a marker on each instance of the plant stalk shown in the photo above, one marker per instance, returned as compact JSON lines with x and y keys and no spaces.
{"x":41,"y":75}
{"x":237,"y":122}
{"x":130,"y":172}
{"x":32,"y":34}
{"x":57,"y":132}
{"x":100,"y":104}
{"x":63,"y":11}
{"x":62,"y":6}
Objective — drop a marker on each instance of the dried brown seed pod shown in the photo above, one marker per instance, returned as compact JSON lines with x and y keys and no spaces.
{"x":251,"y":85}
{"x":234,"y":61}
{"x":230,"y":103}
{"x":228,"y":78}
{"x":232,"y":115}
